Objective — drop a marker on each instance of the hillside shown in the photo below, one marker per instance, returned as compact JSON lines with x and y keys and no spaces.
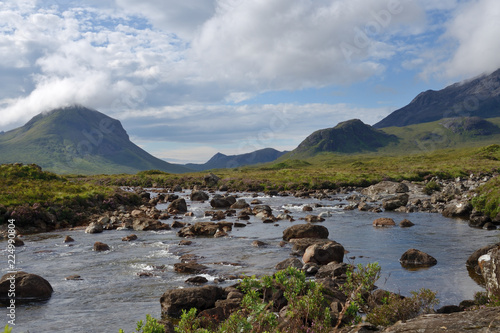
{"x":479,"y":97}
{"x":220,"y":161}
{"x":78,"y":140}
{"x":352,"y":136}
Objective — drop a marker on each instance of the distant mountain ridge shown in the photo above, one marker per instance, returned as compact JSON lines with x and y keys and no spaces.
{"x":221,"y":161}
{"x":78,"y":140}
{"x":478,"y":97}
{"x":347,"y":137}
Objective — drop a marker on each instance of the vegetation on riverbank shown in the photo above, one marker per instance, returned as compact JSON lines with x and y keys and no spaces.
{"x":33,"y":196}
{"x":329,"y":171}
{"x":309,"y":306}
{"x":25,"y":187}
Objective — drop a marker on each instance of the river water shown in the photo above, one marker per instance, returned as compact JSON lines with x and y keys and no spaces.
{"x":112,"y":295}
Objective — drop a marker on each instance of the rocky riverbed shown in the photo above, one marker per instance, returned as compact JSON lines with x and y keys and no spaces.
{"x":213,"y":238}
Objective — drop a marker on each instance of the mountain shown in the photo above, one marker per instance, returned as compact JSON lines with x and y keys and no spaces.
{"x":350,"y":136}
{"x":220,"y":161}
{"x":479,"y":97}
{"x":78,"y":140}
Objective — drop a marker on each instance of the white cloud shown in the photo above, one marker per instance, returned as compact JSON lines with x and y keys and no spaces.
{"x":267,"y":45}
{"x":476,"y":29}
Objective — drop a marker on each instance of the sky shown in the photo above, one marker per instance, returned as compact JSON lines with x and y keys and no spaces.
{"x":191,"y":78}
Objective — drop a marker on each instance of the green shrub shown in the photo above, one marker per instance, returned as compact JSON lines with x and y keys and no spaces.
{"x":431,"y":187}
{"x":150,"y":326}
{"x":397,"y":308}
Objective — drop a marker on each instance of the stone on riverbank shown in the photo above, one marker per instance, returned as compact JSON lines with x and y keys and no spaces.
{"x":489,"y":265}
{"x":395,"y":202}
{"x":384,"y":188}
{"x":175,"y":300}
{"x":481,"y":320}
{"x":94,"y":228}
{"x":472,"y":261}
{"x":290,"y":262}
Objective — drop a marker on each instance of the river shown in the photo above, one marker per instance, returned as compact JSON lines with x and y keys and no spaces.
{"x":112,"y":295}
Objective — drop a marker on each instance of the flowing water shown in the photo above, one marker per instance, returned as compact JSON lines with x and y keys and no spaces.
{"x":112,"y":295}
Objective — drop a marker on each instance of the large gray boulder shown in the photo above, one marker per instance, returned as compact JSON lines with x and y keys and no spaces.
{"x":175,"y":300}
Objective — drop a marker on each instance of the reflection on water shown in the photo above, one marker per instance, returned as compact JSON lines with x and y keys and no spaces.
{"x":114,"y":294}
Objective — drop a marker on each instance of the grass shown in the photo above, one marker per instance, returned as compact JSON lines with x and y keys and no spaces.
{"x":29,"y":195}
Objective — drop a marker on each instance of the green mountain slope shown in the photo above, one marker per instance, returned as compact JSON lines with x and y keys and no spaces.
{"x":352,"y":136}
{"x":78,"y":140}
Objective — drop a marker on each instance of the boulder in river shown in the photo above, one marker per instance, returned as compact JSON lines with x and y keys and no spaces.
{"x":406,"y":223}
{"x":305,"y":231}
{"x":28,"y":287}
{"x":201,"y":298}
{"x":98,"y":247}
{"x":178,"y":206}
{"x":191,"y":267}
{"x":199,"y":196}
{"x":240,"y":204}
{"x":314,"y":218}
{"x":324,"y":254}
{"x":384,"y":222}
{"x":199,"y":229}
{"x":414,"y":258}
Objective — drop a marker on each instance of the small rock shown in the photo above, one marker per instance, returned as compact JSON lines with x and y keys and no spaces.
{"x":129,"y":238}
{"x":313,"y":218}
{"x":406,"y":224}
{"x":18,"y":242}
{"x":307,"y":209}
{"x":98,"y":246}
{"x":68,"y":239}
{"x":305,"y":231}
{"x":197,"y":280}
{"x":185,"y":242}
{"x":258,"y":243}
{"x":384,"y":222}
{"x":191,"y":267}
{"x":73,"y":278}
